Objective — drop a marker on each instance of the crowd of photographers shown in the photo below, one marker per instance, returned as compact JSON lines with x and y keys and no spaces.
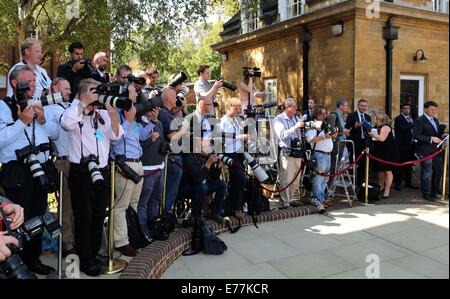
{"x":84,"y":118}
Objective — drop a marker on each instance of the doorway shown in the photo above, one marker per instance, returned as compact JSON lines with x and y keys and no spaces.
{"x":412,"y":91}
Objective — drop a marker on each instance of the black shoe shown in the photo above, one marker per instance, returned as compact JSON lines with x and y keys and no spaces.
{"x":427,"y":196}
{"x":412,"y":187}
{"x":69,"y":252}
{"x":219,"y":219}
{"x":41,"y":269}
{"x":92,"y":271}
{"x":398,"y":187}
{"x":437,"y":197}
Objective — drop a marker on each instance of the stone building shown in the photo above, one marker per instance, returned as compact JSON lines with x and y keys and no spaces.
{"x":386,"y":52}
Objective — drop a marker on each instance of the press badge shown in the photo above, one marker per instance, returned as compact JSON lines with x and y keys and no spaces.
{"x":99,"y":136}
{"x":136,"y":128}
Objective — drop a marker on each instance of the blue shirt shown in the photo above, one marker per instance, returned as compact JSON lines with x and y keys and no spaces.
{"x":12,"y":136}
{"x":63,"y":141}
{"x":129,"y":144}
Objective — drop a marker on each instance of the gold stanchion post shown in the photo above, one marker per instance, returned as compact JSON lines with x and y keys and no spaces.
{"x":366,"y":184}
{"x":114,"y":265}
{"x":444,"y":178}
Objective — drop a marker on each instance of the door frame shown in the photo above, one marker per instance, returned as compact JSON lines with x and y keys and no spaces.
{"x":421,"y":80}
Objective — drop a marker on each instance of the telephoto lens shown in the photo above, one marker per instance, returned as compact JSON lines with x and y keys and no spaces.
{"x":127,"y":170}
{"x":92,"y":164}
{"x":51,"y":99}
{"x":226,"y":160}
{"x":28,"y":156}
{"x":179,"y":79}
{"x":14,"y":268}
{"x":228,"y":85}
{"x":116,"y":102}
{"x":148,"y":105}
{"x":259,"y":173}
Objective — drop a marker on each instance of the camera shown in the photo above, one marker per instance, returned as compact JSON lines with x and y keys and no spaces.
{"x":228,"y":85}
{"x":313,"y":125}
{"x":257,"y":170}
{"x":182,"y":96}
{"x":28,"y":156}
{"x":23,"y":101}
{"x":137,"y":80}
{"x":92,"y":162}
{"x":127,"y":170}
{"x":296,"y":143}
{"x":114,"y":94}
{"x":148,"y":105}
{"x":226,"y":160}
{"x":252,"y":72}
{"x":13,"y":267}
{"x":88,"y":69}
{"x":179,"y":79}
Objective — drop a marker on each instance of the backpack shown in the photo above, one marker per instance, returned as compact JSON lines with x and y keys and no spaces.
{"x":212,"y":244}
{"x":374,"y":193}
{"x":135,"y":236}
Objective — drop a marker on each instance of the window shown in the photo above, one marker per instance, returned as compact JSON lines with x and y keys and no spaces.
{"x":249,"y":16}
{"x":440,"y":6}
{"x":291,"y":8}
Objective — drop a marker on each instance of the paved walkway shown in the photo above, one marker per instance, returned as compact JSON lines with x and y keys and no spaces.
{"x":410,"y":241}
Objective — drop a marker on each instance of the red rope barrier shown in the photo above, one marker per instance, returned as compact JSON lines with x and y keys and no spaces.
{"x":343,"y":170}
{"x":405,"y":163}
{"x":281,"y":190}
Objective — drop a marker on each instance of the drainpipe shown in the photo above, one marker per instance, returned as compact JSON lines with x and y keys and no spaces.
{"x":390,"y":33}
{"x":305,"y":38}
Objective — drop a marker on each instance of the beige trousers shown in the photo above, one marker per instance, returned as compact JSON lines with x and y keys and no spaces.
{"x":67,"y":212}
{"x":288,"y":169}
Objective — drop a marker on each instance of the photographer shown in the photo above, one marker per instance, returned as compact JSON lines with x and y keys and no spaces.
{"x":31,"y":51}
{"x":15,"y":213}
{"x":122,"y":73}
{"x":100,"y":64}
{"x":151,"y":90}
{"x":202,"y":179}
{"x":127,"y":150}
{"x":172,"y":136}
{"x":247,"y":90}
{"x":90,"y":132}
{"x":203,"y":89}
{"x":62,"y":163}
{"x":288,"y":137}
{"x":322,"y":147}
{"x":234,"y":148}
{"x":76,"y":69}
{"x":24,"y":155}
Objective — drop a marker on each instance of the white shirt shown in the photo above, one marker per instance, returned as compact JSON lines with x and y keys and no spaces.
{"x":325,"y":145}
{"x":43,"y":81}
{"x":70,"y":120}
{"x":63,"y":141}
{"x":231,"y":126}
{"x":284,"y":130}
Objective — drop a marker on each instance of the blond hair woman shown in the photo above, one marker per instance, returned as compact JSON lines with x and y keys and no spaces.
{"x":383,"y":148}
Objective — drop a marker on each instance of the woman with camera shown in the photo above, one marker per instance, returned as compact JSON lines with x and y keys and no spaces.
{"x":383,"y":148}
{"x":322,"y":147}
{"x":234,"y":149}
{"x":247,"y":90}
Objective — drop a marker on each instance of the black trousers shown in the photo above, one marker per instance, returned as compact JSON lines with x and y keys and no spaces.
{"x":89,"y":208}
{"x":405,"y":172}
{"x":19,"y":186}
{"x":238,"y":181}
{"x":360,"y":146}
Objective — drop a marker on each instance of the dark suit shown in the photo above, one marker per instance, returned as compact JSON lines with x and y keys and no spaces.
{"x":403,"y":138}
{"x":96,"y":76}
{"x":432,"y":169}
{"x":356,"y":135}
{"x":65,"y":71}
{"x":309,"y":115}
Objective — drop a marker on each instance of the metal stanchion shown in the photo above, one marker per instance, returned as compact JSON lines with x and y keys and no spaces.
{"x":444,"y":178}
{"x":366,"y":183}
{"x":60,"y":273}
{"x":114,"y":265}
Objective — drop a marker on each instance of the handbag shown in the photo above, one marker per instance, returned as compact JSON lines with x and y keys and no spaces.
{"x":212,"y":244}
{"x":135,"y":236}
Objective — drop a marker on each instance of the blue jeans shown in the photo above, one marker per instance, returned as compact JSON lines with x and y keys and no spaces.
{"x":148,"y":206}
{"x":431,"y":175}
{"x":319,"y":183}
{"x":199,"y":193}
{"x":174,"y":174}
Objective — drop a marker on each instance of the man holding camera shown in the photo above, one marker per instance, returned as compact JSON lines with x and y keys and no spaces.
{"x":288,"y":137}
{"x":322,"y":147}
{"x":247,"y":88}
{"x":172,"y":135}
{"x":31,"y":51}
{"x":202,"y":178}
{"x":62,"y":163}
{"x":152,"y":89}
{"x":90,"y":132}
{"x":76,"y":69}
{"x":15,"y":213}
{"x":24,"y":155}
{"x":127,"y":153}
{"x":122,"y":73}
{"x":203,"y":89}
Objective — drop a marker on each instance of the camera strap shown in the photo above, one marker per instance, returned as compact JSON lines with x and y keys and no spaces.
{"x":95,"y":126}
{"x":32,"y":141}
{"x":124,"y":143}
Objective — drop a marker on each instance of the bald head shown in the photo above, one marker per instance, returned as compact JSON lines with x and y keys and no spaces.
{"x":169,"y":98}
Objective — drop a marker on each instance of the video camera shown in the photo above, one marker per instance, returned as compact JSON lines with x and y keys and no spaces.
{"x":13,"y":267}
{"x":252,"y":72}
{"x":23,"y":100}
